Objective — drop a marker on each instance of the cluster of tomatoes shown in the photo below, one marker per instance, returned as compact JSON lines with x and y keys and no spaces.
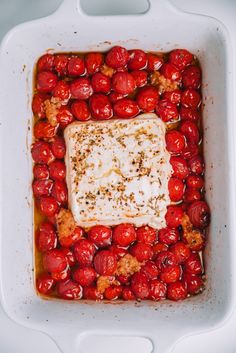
{"x":120,"y":84}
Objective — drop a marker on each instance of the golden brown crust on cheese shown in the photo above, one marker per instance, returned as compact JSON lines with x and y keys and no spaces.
{"x":163,"y":84}
{"x":127,"y":265}
{"x":65,"y":223}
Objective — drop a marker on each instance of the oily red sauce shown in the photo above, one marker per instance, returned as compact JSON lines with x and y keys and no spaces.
{"x":121,"y":84}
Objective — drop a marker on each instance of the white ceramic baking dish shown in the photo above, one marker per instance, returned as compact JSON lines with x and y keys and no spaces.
{"x":162,"y":28}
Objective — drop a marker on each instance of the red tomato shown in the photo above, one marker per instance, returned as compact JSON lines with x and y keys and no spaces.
{"x":199,"y":214}
{"x":60,"y":64}
{"x":105,"y":262}
{"x":57,"y":170}
{"x":175,"y":141}
{"x":64,"y":116}
{"x":189,"y":114}
{"x":196,"y":165}
{"x":84,"y":251}
{"x":91,"y":293}
{"x":46,"y":238}
{"x":76,"y":66}
{"x":113,"y":292}
{"x":170,"y":274}
{"x":193,"y":264}
{"x":123,"y":82}
{"x":142,"y":251}
{"x":166,"y":110}
{"x":181,"y":252}
{"x":157,"y":290}
{"x":140,"y":78}
{"x":59,"y":192}
{"x":140,"y":285}
{"x":69,"y":290}
{"x":101,"y":83}
{"x":45,"y":63}
{"x":115,"y":97}
{"x":168,"y":235}
{"x":150,"y":270}
{"x":81,"y":88}
{"x":100,"y":106}
{"x":124,"y":234}
{"x":93,"y":62}
{"x":80,"y":110}
{"x":147,"y":98}
{"x":69,"y":256}
{"x":123,"y":279}
{"x":159,"y":247}
{"x":176,"y":291}
{"x":190,"y":131}
{"x":193,"y":283}
{"x":48,"y":205}
{"x":117,"y":57}
{"x":195,"y":181}
{"x":154,"y":62}
{"x":146,"y":234}
{"x":71,"y":239}
{"x":118,"y":251}
{"x":174,"y":216}
{"x":45,"y":283}
{"x":54,"y":261}
{"x":172,"y":96}
{"x":41,"y":152}
{"x":62,"y":275}
{"x":38,"y":105}
{"x":84,"y":276}
{"x":180,"y":58}
{"x":191,"y":195}
{"x":170,"y":72}
{"x":179,"y":166}
{"x":165,"y":259}
{"x":176,"y":189}
{"x":42,"y":187}
{"x":62,"y":91}
{"x":100,"y":235}
{"x":46,"y":81}
{"x":190,"y":98}
{"x":191,"y":77}
{"x":41,"y":171}
{"x":43,"y":129}
{"x":58,"y":147}
{"x":126,"y":108}
{"x":190,"y":150}
{"x":127,"y":294}
{"x":137,"y":59}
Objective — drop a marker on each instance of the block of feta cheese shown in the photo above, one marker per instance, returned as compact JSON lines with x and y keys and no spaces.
{"x":118,"y":171}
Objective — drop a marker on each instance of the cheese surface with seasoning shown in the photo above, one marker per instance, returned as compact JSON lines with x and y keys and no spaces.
{"x":118,"y":171}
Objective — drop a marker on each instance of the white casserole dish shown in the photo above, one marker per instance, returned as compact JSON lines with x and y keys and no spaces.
{"x":69,"y":29}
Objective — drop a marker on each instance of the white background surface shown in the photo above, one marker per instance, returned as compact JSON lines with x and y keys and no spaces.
{"x":16,"y":339}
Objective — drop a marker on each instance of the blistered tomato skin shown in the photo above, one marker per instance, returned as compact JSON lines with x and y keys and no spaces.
{"x":170,"y":72}
{"x":46,"y":238}
{"x":157,"y":290}
{"x":146,"y":235}
{"x":172,"y":96}
{"x":195,"y":181}
{"x":118,"y":251}
{"x":191,"y":195}
{"x":190,"y":131}
{"x":180,"y":58}
{"x":117,"y":57}
{"x":176,"y":291}
{"x":154,"y":62}
{"x":126,"y":108}
{"x":91,"y":293}
{"x":69,"y":290}
{"x":38,"y":105}
{"x":81,"y":88}
{"x":46,"y":81}
{"x":84,"y":251}
{"x":150,"y":269}
{"x":123,"y":82}
{"x":142,"y":251}
{"x":193,"y":264}
{"x":44,"y":130}
{"x":58,"y":147}
{"x":54,"y":261}
{"x":199,"y":214}
{"x":100,"y":107}
{"x":190,"y":98}
{"x":45,"y":63}
{"x":168,"y":236}
{"x":170,"y":274}
{"x":84,"y":276}
{"x":179,"y":166}
{"x":193,"y":283}
{"x":76,"y":66}
{"x":113,"y":292}
{"x":100,"y":235}
{"x":101,"y":83}
{"x":48,"y":206}
{"x":105,"y":262}
{"x":42,"y":187}
{"x":175,"y":141}
{"x":140,"y":77}
{"x":57,"y":170}
{"x":69,"y":256}
{"x":140,"y":285}
{"x":60,"y":64}
{"x":124,"y":234}
{"x":93,"y":62}
{"x":196,"y":165}
{"x":181,"y":252}
{"x":41,"y":171}
{"x":166,"y":110}
{"x":80,"y":110}
{"x":45,"y":284}
{"x":165,"y":259}
{"x":191,"y":77}
{"x":137,"y":59}
{"x":59,"y":192}
{"x":127,"y":294}
{"x":147,"y":98}
{"x":64,"y":116}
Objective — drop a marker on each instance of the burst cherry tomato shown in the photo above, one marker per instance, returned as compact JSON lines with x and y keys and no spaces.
{"x":80,"y":110}
{"x":48,"y":206}
{"x":71,"y":239}
{"x":168,"y":235}
{"x":176,"y":291}
{"x":69,"y":290}
{"x":170,"y":274}
{"x":54,"y":261}
{"x":191,"y":195}
{"x":46,"y":81}
{"x":170,"y":72}
{"x":76,"y":66}
{"x":193,"y":264}
{"x":176,"y":189}
{"x":146,"y":234}
{"x":84,"y":276}
{"x":193,"y":283}
{"x":126,"y":108}
{"x":115,"y":97}
{"x":105,"y":262}
{"x":154,"y":62}
{"x":190,"y":131}
{"x":166,"y":110}
{"x":157,"y":290}
{"x":147,"y":98}
{"x":100,"y":106}
{"x":69,"y":256}
{"x":124,"y":234}
{"x":174,"y":216}
{"x":172,"y":96}
{"x":181,"y":252}
{"x":41,"y":171}
{"x":180,"y":58}
{"x":127,"y":294}
{"x":118,"y":251}
{"x":142,"y":251}
{"x":81,"y":88}
{"x":41,"y":152}
{"x":46,"y":238}
{"x":140,"y":78}
{"x":57,"y":170}
{"x":175,"y":141}
{"x":84,"y":251}
{"x":190,"y":150}
{"x":42,"y":187}
{"x":195,"y":181}
{"x":137,"y":59}
{"x":60,"y":64}
{"x":123,"y":82}
{"x":91,"y":293}
{"x":150,"y":270}
{"x":101,"y":83}
{"x":196,"y":165}
{"x":93,"y":61}
{"x":64,"y":116}
{"x":140,"y":285}
{"x":38,"y":105}
{"x":113,"y":292}
{"x":45,"y":63}
{"x":59,"y":192}
{"x":62,"y":91}
{"x":191,"y":77}
{"x":165,"y":259}
{"x":190,"y":98}
{"x":58,"y":147}
{"x":43,"y":129}
{"x":117,"y":57}
{"x":199,"y":214}
{"x":179,"y":166}
{"x":100,"y":235}
{"x":189,"y":114}
{"x":45,"y":284}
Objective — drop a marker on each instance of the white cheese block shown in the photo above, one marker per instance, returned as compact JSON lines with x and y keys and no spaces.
{"x":118,"y":171}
